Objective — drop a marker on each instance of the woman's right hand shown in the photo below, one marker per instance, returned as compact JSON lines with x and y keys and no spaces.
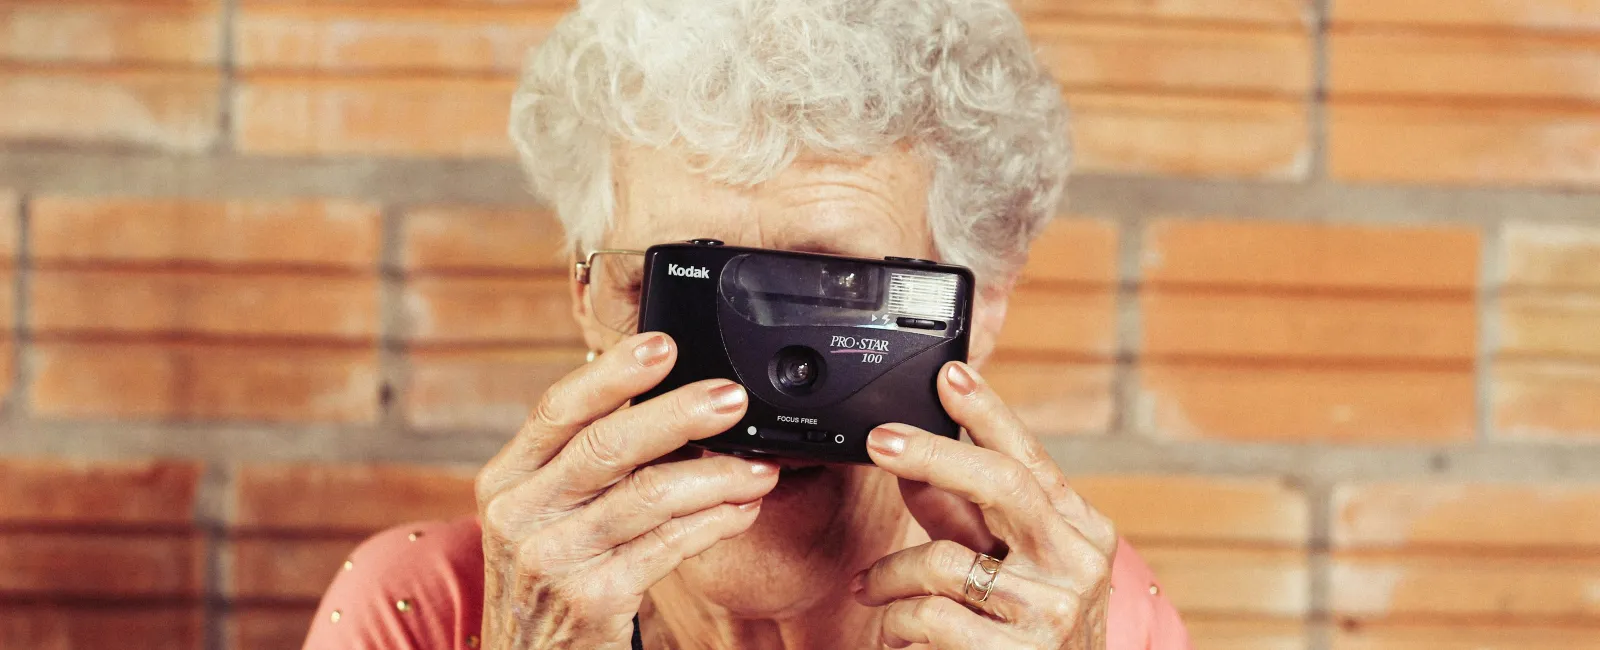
{"x":577,"y":521}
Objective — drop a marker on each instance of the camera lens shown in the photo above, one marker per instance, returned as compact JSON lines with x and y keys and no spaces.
{"x":796,"y":370}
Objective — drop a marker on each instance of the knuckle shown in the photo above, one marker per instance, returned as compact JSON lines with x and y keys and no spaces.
{"x":549,"y":410}
{"x":1013,"y":481}
{"x":929,"y":610}
{"x":1097,"y":565}
{"x":485,"y":485}
{"x":946,"y":557}
{"x":1063,"y":608}
{"x":648,"y":488}
{"x":602,"y":449}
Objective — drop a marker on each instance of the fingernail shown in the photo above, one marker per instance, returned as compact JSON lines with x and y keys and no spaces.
{"x":727,"y":398}
{"x":887,"y":441}
{"x":753,"y":505}
{"x":961,"y":378}
{"x":858,"y":583}
{"x":652,"y":351}
{"x":763,"y":468}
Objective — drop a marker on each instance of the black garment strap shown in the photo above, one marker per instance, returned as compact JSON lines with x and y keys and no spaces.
{"x":638,"y":641}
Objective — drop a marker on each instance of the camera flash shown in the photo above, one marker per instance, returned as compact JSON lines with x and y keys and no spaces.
{"x":923,"y":295}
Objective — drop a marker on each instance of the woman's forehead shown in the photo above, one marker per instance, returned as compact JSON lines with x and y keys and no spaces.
{"x":870,"y":207}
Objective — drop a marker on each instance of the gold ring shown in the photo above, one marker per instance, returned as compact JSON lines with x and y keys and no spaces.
{"x":980,"y":578}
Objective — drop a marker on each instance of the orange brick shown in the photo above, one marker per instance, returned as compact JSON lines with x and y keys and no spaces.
{"x":285,"y":232}
{"x":466,"y":239}
{"x":67,"y":565}
{"x":1499,"y":65}
{"x":1207,"y":633}
{"x":1552,"y":256}
{"x":1246,"y":581}
{"x":442,"y":117}
{"x":1546,"y":401}
{"x":1502,"y":515}
{"x":1305,"y":404}
{"x":143,"y":493}
{"x":1461,"y":144}
{"x":1561,"y":15}
{"x":1190,"y":135}
{"x":157,"y":231}
{"x":1265,"y":326}
{"x":1245,"y":11}
{"x":1472,"y":587}
{"x":492,"y":39}
{"x":1176,"y":508}
{"x":181,"y":302}
{"x":1055,"y":398}
{"x":1465,"y":637}
{"x":1550,"y":326}
{"x":1277,"y":254}
{"x":88,"y":33}
{"x":491,"y":310}
{"x":1152,"y":56}
{"x":269,"y":628}
{"x":204,"y":382}
{"x":1074,"y":250}
{"x":1078,"y":323}
{"x":177,"y":111}
{"x":349,"y":498}
{"x":284,"y":569}
{"x":482,"y":389}
{"x":59,"y":626}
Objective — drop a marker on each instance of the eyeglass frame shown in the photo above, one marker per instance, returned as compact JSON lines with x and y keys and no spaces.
{"x":582,"y":272}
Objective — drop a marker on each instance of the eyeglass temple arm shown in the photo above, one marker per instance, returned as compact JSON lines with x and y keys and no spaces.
{"x":581,"y":269}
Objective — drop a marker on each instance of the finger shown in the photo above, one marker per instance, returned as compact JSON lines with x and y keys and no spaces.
{"x":1014,"y":507}
{"x":617,"y":444}
{"x":941,"y":568}
{"x":973,"y":404}
{"x":942,"y":624}
{"x":645,"y":561}
{"x":655,"y":495}
{"x":632,"y":366}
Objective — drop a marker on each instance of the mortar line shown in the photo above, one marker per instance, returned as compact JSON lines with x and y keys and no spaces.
{"x":22,"y":333}
{"x":227,"y":61}
{"x":1317,"y":100}
{"x":392,"y":361}
{"x":211,"y":516}
{"x":1129,"y":325}
{"x":1319,"y":502}
{"x":1491,"y":274}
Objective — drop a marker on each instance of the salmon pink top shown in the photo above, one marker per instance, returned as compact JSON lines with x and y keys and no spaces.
{"x":420,"y":587}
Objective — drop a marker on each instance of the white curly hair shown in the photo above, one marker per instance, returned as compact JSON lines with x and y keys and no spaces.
{"x":745,"y":86}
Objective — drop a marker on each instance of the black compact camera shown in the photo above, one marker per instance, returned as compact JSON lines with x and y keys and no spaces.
{"x":827,"y":347}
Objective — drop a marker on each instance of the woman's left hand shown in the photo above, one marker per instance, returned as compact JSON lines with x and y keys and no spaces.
{"x":1003,"y":496}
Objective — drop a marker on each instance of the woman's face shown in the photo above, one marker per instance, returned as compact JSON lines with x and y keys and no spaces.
{"x":823,"y":522}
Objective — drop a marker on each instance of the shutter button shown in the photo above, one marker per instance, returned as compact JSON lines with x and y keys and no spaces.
{"x":706,"y":242}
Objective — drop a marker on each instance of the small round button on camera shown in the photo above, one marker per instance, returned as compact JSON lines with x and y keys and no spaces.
{"x":706,"y":242}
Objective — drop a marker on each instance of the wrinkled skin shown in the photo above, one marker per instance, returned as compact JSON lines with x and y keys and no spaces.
{"x":590,"y":518}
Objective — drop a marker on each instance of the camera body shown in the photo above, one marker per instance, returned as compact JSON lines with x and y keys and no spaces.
{"x":827,"y":347}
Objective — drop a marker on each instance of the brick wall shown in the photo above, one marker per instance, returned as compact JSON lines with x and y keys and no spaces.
{"x":1320,"y":325}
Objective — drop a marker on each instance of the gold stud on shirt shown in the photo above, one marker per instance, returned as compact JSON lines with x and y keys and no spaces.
{"x":335,"y":616}
{"x":403,"y":605}
{"x":349,"y":564}
{"x":1154,"y":590}
{"x":414,"y":536}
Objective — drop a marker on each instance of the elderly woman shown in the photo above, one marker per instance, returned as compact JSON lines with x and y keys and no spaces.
{"x":911,"y":128}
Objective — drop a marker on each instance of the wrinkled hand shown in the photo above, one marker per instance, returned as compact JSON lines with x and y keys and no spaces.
{"x":1003,"y":496}
{"x":579,"y":520}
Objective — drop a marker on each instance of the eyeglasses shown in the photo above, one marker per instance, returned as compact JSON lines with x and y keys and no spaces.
{"x":612,"y":278}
